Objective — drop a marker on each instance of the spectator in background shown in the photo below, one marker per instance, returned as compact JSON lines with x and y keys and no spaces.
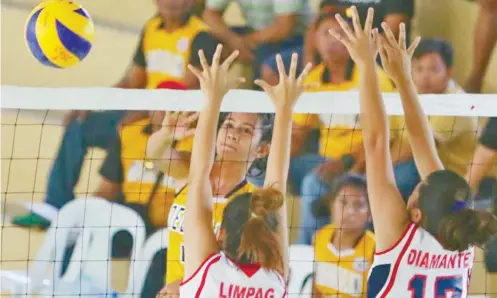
{"x":340,"y":135}
{"x":344,"y":249}
{"x":483,"y":44}
{"x":485,"y":156}
{"x":393,"y":12}
{"x":165,"y":49}
{"x":484,"y":159}
{"x":272,"y":26}
{"x":432,"y":64}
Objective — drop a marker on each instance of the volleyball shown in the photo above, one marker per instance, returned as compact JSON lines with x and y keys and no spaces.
{"x":59,"y":33}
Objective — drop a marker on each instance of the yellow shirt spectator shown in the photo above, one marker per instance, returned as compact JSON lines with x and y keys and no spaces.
{"x":339,"y":134}
{"x":344,"y":273}
{"x":455,"y":136}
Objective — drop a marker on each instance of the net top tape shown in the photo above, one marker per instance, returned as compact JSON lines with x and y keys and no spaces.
{"x":104,"y":98}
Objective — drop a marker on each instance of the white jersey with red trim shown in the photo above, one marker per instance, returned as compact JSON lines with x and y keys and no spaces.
{"x":418,"y":266}
{"x":220,"y":277}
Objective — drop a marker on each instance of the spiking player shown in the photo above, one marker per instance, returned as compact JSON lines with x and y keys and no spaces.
{"x":251,"y":260}
{"x":424,"y":249}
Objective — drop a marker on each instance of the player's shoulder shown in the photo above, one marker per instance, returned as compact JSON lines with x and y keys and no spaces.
{"x":249,"y":187}
{"x":315,"y":75}
{"x":197,"y":23}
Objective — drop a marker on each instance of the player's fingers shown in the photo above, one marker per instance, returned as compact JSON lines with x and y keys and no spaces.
{"x":203,"y":60}
{"x":217,"y":56}
{"x":413,"y":45}
{"x":227,"y":63}
{"x":356,"y":22}
{"x":390,"y":37}
{"x":264,"y":85}
{"x":402,"y":36}
{"x":304,"y":73}
{"x":192,"y":117}
{"x":281,"y":67}
{"x":292,"y":74}
{"x":340,"y":38}
{"x":368,"y":26}
{"x":195,"y":71}
{"x":345,"y":27}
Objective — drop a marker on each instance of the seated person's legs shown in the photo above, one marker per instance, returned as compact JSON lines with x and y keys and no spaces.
{"x":269,"y":50}
{"x":269,"y":69}
{"x":312,"y":190}
{"x":99,"y":129}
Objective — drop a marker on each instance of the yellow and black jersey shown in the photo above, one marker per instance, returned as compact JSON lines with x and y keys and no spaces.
{"x":342,"y":273}
{"x":175,"y":250}
{"x":165,"y":55}
{"x":140,"y":183}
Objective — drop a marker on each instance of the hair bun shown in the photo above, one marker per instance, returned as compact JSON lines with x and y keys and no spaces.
{"x":266,"y":200}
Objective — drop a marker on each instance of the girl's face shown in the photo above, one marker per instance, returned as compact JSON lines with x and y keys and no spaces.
{"x":350,"y":209}
{"x":239,"y":137}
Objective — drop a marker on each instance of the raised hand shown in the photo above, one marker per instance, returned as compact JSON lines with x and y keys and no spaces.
{"x":214,"y":79}
{"x":395,"y":56}
{"x":359,"y":42}
{"x":289,"y":88}
{"x":180,"y":124}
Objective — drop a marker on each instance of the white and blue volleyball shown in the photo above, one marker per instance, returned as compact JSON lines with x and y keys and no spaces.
{"x":59,"y":33}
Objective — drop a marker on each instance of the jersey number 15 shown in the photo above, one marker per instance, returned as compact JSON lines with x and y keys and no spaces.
{"x":444,"y":287}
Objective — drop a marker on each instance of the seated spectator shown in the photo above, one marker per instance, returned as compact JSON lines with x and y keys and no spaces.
{"x":455,"y":136}
{"x":484,"y":159}
{"x":485,"y":156}
{"x":272,"y":26}
{"x":344,"y":249}
{"x":158,"y":60}
{"x":340,"y":135}
{"x":391,"y":12}
{"x":129,"y":180}
{"x":485,"y":38}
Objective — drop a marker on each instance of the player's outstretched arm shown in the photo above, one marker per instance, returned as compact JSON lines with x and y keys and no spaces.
{"x":396,"y":59}
{"x":199,"y":239}
{"x":175,"y":127}
{"x":388,"y":210}
{"x":284,"y":96}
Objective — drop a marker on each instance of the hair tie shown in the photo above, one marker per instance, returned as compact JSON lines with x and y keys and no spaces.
{"x":458,"y":206}
{"x":254,"y":215}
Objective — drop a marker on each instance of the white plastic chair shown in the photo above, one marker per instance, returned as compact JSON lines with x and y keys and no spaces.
{"x":95,"y":222}
{"x":301,"y":267}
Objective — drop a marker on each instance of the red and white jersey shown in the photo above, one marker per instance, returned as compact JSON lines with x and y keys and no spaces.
{"x":418,"y":266}
{"x":220,"y":277}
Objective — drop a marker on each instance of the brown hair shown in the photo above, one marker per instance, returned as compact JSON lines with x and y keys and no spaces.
{"x":442,"y":199}
{"x":250,"y":222}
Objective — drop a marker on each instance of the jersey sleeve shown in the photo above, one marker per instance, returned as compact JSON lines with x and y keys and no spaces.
{"x":203,"y":41}
{"x":112,"y":168}
{"x":139,"y":57}
{"x":489,"y":136}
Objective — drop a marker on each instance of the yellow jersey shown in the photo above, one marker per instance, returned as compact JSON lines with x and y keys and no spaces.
{"x":339,"y":134}
{"x":175,"y":249}
{"x":139,"y":176}
{"x":342,"y":274}
{"x":165,"y":55}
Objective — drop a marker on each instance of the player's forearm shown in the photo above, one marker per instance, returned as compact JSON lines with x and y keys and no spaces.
{"x":420,"y":135}
{"x":484,"y":158}
{"x":279,"y":154}
{"x":159,"y":143}
{"x":204,"y":145}
{"x":373,"y":117}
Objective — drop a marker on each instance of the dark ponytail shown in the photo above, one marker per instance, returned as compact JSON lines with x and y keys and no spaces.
{"x":465,"y":228}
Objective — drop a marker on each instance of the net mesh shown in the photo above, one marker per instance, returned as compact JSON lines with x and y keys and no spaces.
{"x":36,"y":163}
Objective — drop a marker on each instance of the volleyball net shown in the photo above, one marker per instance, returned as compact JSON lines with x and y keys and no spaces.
{"x":33,"y":137}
